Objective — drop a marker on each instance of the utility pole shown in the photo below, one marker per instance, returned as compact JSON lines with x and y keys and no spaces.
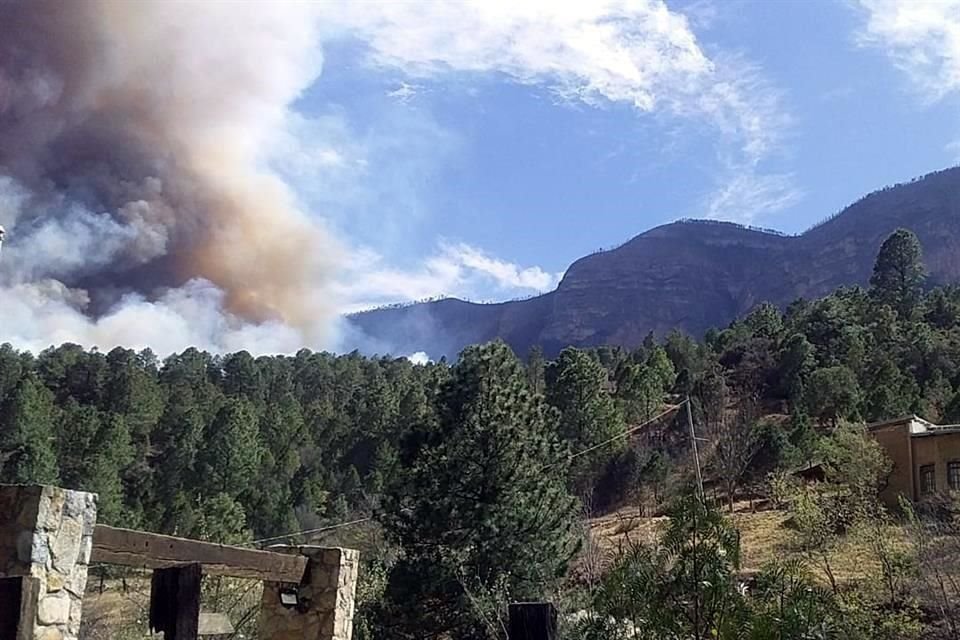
{"x":696,"y":450}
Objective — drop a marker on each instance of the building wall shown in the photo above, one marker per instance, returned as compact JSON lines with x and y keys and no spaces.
{"x":895,"y":439}
{"x":936,"y":450}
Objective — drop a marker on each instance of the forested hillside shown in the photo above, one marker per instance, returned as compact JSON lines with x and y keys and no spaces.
{"x":478,"y":472}
{"x":689,"y":275}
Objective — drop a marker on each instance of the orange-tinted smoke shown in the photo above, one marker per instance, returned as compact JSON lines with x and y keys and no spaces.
{"x":159,"y":114}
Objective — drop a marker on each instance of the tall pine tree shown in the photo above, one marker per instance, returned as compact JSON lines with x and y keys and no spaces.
{"x":484,"y":508}
{"x":898,"y":273}
{"x":27,"y":435}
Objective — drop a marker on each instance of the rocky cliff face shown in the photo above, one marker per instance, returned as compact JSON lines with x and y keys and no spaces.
{"x":689,"y":275}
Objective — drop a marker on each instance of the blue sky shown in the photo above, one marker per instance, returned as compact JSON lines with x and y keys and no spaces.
{"x":476,"y":150}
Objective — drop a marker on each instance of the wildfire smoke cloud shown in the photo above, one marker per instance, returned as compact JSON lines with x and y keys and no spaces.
{"x":132,"y":137}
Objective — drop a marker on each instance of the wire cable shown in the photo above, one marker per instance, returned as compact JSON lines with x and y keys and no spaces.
{"x":310,"y":531}
{"x":619,"y":436}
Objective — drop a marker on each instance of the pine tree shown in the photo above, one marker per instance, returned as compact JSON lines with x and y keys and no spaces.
{"x":28,"y":435}
{"x":796,"y":363}
{"x":283,"y":434}
{"x":535,"y":369}
{"x":11,"y":370}
{"x":484,"y":507}
{"x":889,"y":392}
{"x":242,"y":379}
{"x":936,"y":396}
{"x":94,"y":448}
{"x":232,"y":450}
{"x":659,"y":364}
{"x":833,"y":393}
{"x":113,"y":454}
{"x":765,"y":321}
{"x":76,"y":443}
{"x":638,"y":392}
{"x":588,"y":414}
{"x":221,"y":519}
{"x":176,"y":440}
{"x":899,"y":273}
{"x":133,"y":394}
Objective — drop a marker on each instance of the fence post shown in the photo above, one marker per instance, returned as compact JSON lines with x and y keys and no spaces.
{"x":533,"y":621}
{"x":175,"y":602}
{"x":46,"y":535}
{"x":320,"y":607}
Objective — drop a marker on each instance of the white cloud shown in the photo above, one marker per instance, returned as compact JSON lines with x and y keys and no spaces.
{"x":953,"y":148}
{"x":921,"y":37}
{"x":617,"y":51}
{"x":747,"y":195}
{"x":637,"y":52}
{"x":458,"y":270}
{"x":506,"y":275}
{"x":405,"y":92}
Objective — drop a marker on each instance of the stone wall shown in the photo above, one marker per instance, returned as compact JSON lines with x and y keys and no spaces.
{"x":325,"y":598}
{"x":46,"y":533}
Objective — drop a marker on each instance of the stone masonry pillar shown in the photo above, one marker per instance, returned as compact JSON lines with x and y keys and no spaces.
{"x":46,"y":536}
{"x":319,"y":608}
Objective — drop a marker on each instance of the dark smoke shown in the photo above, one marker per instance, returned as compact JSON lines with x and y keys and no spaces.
{"x":131,"y":142}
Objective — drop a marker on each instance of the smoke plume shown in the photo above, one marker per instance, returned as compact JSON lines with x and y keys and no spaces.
{"x":132,"y":180}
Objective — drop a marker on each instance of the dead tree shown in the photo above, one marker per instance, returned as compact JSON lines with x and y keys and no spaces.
{"x":735,"y":445}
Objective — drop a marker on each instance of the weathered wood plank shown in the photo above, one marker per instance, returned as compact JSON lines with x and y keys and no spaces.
{"x":154,"y":551}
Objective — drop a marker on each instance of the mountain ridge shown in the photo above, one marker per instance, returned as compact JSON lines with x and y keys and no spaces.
{"x":689,"y":275}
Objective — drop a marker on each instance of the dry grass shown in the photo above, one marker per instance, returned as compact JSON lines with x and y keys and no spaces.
{"x":121,"y":610}
{"x":765,"y":537}
{"x":116,"y":612}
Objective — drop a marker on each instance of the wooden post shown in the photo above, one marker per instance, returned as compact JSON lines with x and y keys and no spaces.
{"x":18,"y":607}
{"x":175,"y":602}
{"x":11,"y":590}
{"x":696,"y":451}
{"x":533,"y":621}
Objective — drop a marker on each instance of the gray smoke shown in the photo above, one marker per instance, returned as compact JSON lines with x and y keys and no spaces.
{"x":133,"y":189}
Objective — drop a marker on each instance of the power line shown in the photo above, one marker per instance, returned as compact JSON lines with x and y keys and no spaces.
{"x":621,"y":435}
{"x":311,"y":531}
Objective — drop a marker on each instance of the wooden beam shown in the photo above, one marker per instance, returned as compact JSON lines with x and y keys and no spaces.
{"x":154,"y":551}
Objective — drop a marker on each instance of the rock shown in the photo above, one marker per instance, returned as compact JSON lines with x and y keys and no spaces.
{"x":50,"y":511}
{"x":55,"y":581}
{"x":77,"y":583}
{"x":54,"y":610}
{"x":75,"y":504}
{"x":47,"y":633}
{"x":86,"y":548}
{"x":66,"y":545}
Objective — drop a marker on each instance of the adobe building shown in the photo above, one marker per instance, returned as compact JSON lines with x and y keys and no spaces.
{"x":926,"y":457}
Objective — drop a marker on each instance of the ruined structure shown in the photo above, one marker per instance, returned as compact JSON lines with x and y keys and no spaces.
{"x":320,"y":607}
{"x":49,"y":537}
{"x":46,"y":537}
